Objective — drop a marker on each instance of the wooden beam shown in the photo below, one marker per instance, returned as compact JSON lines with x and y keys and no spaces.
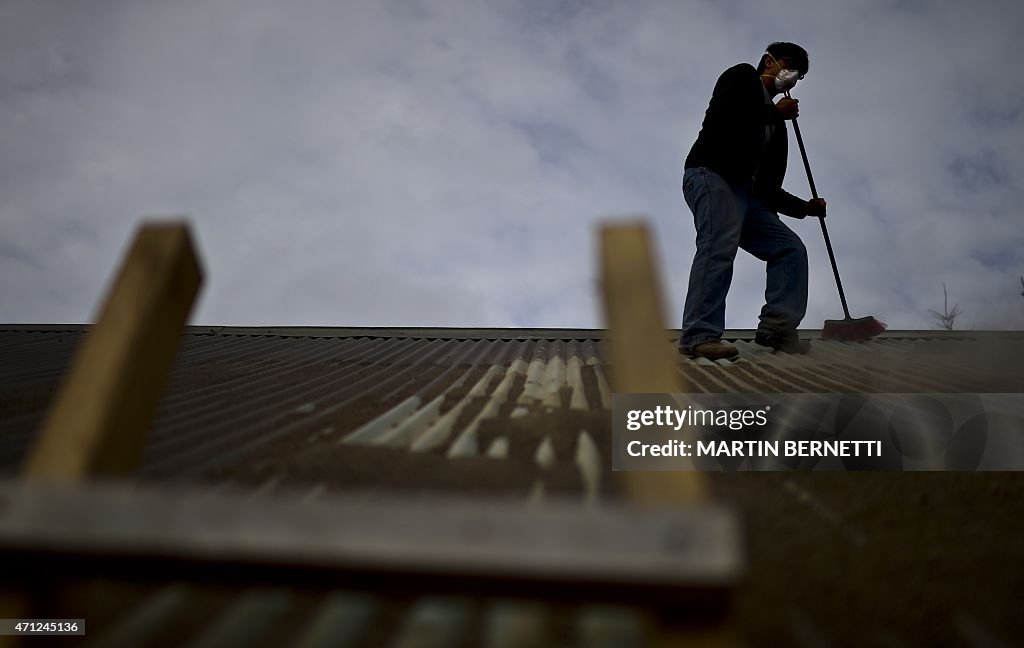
{"x":657,"y":557}
{"x":98,"y":423}
{"x":642,"y":360}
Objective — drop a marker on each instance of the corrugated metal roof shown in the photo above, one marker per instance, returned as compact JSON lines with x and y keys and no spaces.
{"x":524,"y":413}
{"x":242,"y":397}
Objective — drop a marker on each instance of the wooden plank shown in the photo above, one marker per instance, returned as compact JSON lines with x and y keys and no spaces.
{"x":561,"y":551}
{"x":642,"y":361}
{"x":106,"y":403}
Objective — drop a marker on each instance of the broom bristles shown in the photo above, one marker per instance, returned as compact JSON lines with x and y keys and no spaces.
{"x":852,"y":330}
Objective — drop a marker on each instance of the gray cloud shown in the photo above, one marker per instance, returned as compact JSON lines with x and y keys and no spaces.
{"x":405,"y":163}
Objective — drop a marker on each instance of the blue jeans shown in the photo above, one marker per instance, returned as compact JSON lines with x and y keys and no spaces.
{"x":727,"y":218}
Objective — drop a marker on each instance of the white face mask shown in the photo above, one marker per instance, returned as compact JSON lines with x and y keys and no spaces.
{"x":784,"y":79}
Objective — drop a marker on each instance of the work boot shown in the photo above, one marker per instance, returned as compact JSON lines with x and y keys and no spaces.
{"x":712,"y":350}
{"x":784,"y":342}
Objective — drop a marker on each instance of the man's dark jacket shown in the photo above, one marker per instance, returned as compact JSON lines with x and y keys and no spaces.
{"x":732,"y":136}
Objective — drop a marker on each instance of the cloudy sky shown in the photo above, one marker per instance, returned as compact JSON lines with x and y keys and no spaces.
{"x":447,"y":163}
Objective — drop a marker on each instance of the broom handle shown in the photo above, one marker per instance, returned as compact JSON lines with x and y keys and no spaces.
{"x":824,"y":232}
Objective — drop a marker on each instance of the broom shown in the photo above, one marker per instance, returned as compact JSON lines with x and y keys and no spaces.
{"x":848,"y":328}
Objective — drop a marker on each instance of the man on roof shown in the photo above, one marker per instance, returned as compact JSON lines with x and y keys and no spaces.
{"x":733,"y":185}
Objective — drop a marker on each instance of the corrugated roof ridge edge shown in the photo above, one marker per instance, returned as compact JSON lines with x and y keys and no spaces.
{"x":493,"y":332}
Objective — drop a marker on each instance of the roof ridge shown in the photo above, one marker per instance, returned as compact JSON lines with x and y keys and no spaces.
{"x":448,"y":332}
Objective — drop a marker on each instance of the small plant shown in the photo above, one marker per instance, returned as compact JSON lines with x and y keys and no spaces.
{"x":947,"y":317}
